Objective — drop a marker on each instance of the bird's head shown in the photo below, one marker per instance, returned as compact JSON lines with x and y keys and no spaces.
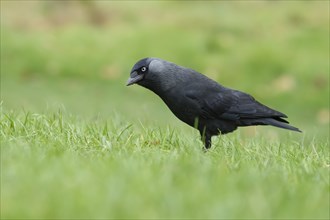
{"x":139,"y":71}
{"x":155,"y":74}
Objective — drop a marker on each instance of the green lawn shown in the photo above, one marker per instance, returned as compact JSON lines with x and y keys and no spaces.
{"x":60,"y":166}
{"x":77,"y":143}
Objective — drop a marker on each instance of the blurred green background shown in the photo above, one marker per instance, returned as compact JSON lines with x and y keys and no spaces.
{"x":77,"y":55}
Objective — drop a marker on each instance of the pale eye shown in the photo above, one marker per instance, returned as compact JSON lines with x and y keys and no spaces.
{"x":143,"y":69}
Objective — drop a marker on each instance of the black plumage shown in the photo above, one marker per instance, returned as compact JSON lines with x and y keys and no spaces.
{"x":201,"y":102}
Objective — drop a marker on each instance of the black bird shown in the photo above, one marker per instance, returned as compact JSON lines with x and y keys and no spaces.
{"x":201,"y":102}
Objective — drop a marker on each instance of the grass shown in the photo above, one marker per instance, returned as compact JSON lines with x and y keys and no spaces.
{"x":60,"y":166}
{"x":77,"y":143}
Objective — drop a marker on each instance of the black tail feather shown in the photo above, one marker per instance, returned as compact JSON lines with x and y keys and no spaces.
{"x":280,"y":124}
{"x":277,"y":122}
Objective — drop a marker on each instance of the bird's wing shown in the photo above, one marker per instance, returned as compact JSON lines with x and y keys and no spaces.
{"x":210,"y":101}
{"x":228,"y":104}
{"x":247,"y":107}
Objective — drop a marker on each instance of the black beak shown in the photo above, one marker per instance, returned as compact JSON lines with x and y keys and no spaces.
{"x":134,"y":78}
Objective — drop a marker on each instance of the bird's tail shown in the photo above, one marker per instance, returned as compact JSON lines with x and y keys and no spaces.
{"x":276,"y":121}
{"x":280,"y":124}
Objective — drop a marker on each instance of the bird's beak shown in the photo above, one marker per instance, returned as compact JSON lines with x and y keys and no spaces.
{"x":134,"y":78}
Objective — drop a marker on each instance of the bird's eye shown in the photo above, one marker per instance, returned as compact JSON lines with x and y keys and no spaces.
{"x":143,"y":69}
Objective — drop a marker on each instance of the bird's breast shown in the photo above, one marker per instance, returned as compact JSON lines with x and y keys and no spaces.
{"x":181,"y":108}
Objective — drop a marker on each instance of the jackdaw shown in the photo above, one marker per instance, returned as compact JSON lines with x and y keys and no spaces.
{"x":201,"y":102}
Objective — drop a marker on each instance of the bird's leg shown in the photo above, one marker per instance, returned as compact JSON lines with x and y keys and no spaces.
{"x":206,"y":139}
{"x":207,"y":142}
